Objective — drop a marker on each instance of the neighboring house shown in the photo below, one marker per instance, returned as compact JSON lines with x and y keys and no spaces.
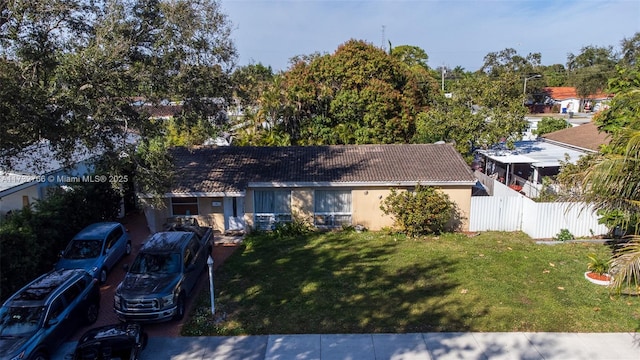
{"x":26,"y":176}
{"x":570,"y":102}
{"x":244,"y":188}
{"x":584,"y":137}
{"x":523,"y":167}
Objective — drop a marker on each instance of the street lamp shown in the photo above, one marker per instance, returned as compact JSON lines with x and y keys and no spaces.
{"x":524,"y":91}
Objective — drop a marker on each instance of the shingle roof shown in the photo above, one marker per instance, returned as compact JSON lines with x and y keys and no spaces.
{"x":586,"y":136}
{"x":231,"y":168}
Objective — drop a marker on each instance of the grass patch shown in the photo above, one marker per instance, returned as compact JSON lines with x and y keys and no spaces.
{"x":348,"y":282}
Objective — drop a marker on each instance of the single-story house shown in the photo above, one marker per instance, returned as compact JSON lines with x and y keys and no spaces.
{"x":25,"y":177}
{"x":524,"y":166}
{"x":585,"y":137}
{"x":243,"y":188}
{"x":570,"y":102}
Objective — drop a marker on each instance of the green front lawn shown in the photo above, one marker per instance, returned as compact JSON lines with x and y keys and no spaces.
{"x":347,"y":282}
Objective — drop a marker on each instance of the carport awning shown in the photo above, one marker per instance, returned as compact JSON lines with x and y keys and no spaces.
{"x":512,"y":159}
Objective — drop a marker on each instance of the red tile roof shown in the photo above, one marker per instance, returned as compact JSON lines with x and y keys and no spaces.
{"x":568,"y":92}
{"x":232,"y":168}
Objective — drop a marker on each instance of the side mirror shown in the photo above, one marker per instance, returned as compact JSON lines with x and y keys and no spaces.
{"x":61,"y":253}
{"x":125,"y":267}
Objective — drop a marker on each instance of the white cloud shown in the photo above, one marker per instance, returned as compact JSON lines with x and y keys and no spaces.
{"x":451,"y":32}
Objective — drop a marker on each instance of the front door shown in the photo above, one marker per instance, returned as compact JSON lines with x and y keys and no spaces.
{"x":233,"y":213}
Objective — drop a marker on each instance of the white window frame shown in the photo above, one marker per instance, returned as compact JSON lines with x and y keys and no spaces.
{"x":266,"y":219}
{"x":332,"y":212}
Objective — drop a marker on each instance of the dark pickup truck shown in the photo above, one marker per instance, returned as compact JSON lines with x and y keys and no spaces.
{"x":164,"y":273}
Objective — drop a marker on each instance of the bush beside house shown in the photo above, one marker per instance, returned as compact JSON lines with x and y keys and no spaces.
{"x":30,"y":239}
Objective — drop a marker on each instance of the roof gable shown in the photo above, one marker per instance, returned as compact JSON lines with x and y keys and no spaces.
{"x":233,"y":169}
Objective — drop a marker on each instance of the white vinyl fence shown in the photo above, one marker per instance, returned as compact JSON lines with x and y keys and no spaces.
{"x":538,"y":220}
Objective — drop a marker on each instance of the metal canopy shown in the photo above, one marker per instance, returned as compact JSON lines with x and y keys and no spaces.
{"x":537,"y":153}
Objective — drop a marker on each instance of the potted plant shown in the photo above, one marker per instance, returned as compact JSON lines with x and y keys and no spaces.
{"x":597,"y":270}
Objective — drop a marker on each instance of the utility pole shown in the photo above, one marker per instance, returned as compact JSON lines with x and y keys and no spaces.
{"x":444,"y":71}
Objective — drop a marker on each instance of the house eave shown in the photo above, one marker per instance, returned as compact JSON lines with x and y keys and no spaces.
{"x":316,"y":184}
{"x":196,"y":194}
{"x":570,"y":146}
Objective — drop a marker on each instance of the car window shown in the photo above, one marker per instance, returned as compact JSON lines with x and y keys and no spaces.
{"x":56,"y":308}
{"x":72,"y":293}
{"x":194,"y":245}
{"x":161,"y":263}
{"x":18,"y":321}
{"x":114,"y":236}
{"x":83,"y":249}
{"x":188,"y":257}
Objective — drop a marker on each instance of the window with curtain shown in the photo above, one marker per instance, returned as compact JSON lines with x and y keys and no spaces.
{"x":271,"y":207}
{"x":332,"y":207}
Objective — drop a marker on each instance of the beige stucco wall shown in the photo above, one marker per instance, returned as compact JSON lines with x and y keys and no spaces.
{"x":366,"y":203}
{"x":248,"y":209}
{"x":210,"y":215}
{"x":365,"y":209}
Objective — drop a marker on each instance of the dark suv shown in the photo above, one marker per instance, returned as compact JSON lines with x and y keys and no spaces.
{"x":39,"y":317}
{"x":163,"y":274}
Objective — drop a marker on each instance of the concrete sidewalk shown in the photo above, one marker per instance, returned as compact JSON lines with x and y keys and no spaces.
{"x":561,"y":346}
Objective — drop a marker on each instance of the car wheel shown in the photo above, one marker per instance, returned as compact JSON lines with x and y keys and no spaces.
{"x":40,"y":356}
{"x":102,"y":277}
{"x":180,"y":308}
{"x":127,"y":249}
{"x":91,"y":316}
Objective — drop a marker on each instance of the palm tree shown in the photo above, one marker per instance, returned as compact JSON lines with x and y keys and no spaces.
{"x":610,"y":181}
{"x":612,"y":184}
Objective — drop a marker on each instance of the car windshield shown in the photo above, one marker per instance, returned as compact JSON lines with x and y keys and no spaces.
{"x":159,"y":263}
{"x":83,"y":249}
{"x":19,"y":321}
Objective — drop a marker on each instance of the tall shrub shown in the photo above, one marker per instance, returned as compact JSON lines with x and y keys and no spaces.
{"x":30,"y":239}
{"x":426,"y":210}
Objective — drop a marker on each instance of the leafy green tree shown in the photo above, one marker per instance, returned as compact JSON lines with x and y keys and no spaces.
{"x":359,"y":94}
{"x":554,"y":75}
{"x":630,"y":50}
{"x":154,"y":169}
{"x":482,"y":112}
{"x":550,"y":124}
{"x":411,"y":55}
{"x":21,"y":122}
{"x":426,"y":210}
{"x":81,"y":64}
{"x":590,"y":70}
{"x":508,"y":60}
{"x":249,"y":82}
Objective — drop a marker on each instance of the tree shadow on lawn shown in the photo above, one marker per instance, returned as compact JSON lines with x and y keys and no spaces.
{"x":337,"y":286}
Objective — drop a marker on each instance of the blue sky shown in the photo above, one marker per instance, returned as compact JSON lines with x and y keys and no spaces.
{"x":452,"y":32}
